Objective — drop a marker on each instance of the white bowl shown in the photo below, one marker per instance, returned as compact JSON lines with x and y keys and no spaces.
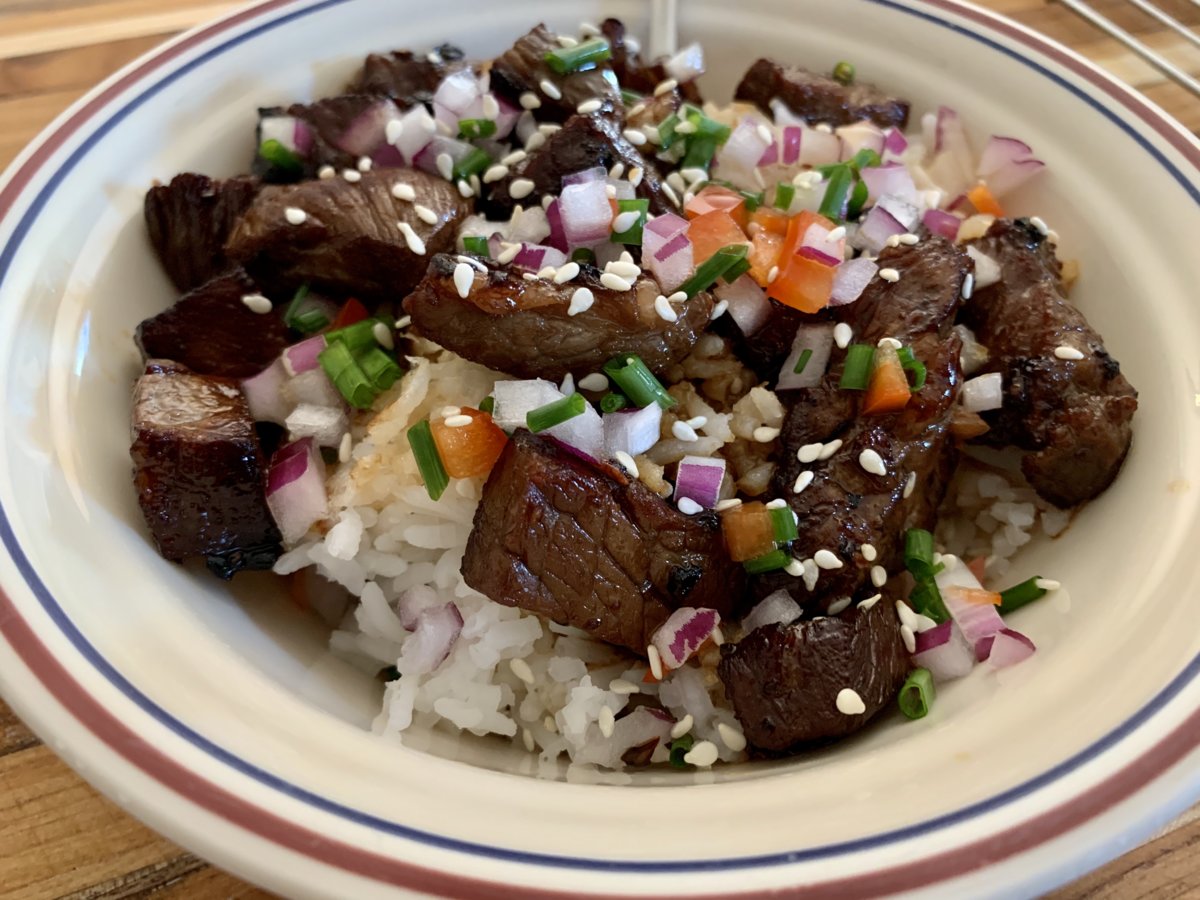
{"x":222,"y":721}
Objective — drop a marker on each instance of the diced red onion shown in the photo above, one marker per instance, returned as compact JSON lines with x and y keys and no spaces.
{"x":875,"y":228}
{"x":770,"y":156}
{"x":1011,"y":177}
{"x":426,"y":159}
{"x":458,"y":97}
{"x":748,"y":304}
{"x":586,"y":213}
{"x":947,"y":172}
{"x":819,"y":256}
{"x":431,"y":642}
{"x":672,"y":264}
{"x":987,"y":270}
{"x":778,"y":608}
{"x":671,"y":247}
{"x":660,"y":231}
{"x":903,"y":211}
{"x":819,"y":339}
{"x":977,"y":620}
{"x":558,"y":237}
{"x":941,"y":222}
{"x":264,"y":394}
{"x":536,"y":256}
{"x":819,"y":148}
{"x":387,"y":157}
{"x":816,"y":236}
{"x":890,"y":179}
{"x":412,"y":602}
{"x":1006,"y":648}
{"x":791,"y":144}
{"x":739,"y":155}
{"x":302,"y":357}
{"x":530,"y":226}
{"x":851,"y":280}
{"x":296,"y":489}
{"x":864,"y":135}
{"x":513,"y":399}
{"x":643,"y":728}
{"x":312,"y":387}
{"x":324,"y":424}
{"x":699,"y":478}
{"x":944,"y":652}
{"x":303,"y":137}
{"x":584,"y":432}
{"x":633,"y":432}
{"x":1000,"y":152}
{"x":983,"y":392}
{"x":683,"y":633}
{"x":687,"y":64}
{"x":368,"y":130}
{"x":894,"y":141}
{"x":411,"y":133}
{"x":622,"y":189}
{"x":292,"y":133}
{"x":506,"y":119}
{"x":583,"y":176}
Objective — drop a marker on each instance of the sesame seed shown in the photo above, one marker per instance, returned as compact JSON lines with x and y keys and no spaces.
{"x":527,"y":740}
{"x":663,"y":308}
{"x":459,"y":421}
{"x":870,"y":602}
{"x":383,"y":335}
{"x":403,"y":191}
{"x":568,"y":385}
{"x":628,"y":464}
{"x":534,"y":141}
{"x":445,"y":165}
{"x":550,"y":89}
{"x":773,"y":274}
{"x":731,"y":737}
{"x":678,"y":297}
{"x":567,"y":41}
{"x":795,"y":568}
{"x":596,"y":381}
{"x":764,"y":434}
{"x":731,"y":503}
{"x":765,"y":133}
{"x":906,"y":615}
{"x":617,"y":170}
{"x":1040,"y":225}
{"x":611,"y":190}
{"x":634,"y":136}
{"x":607,"y":721}
{"x":823,"y":127}
{"x":836,"y":234}
{"x":869,"y":552}
{"x":670,"y":192}
{"x":415,"y":244}
{"x":295,"y":216}
{"x":923,"y":623}
{"x":587,"y":107}
{"x":403,"y":322}
{"x":718,"y":310}
{"x":849,"y":703}
{"x":656,"y":668}
{"x":811,"y":574}
{"x":636,"y":110}
{"x":352,"y":175}
{"x":425,"y":214}
{"x":529,"y":276}
{"x":686,"y":128}
{"x":581,"y":301}
{"x":464,"y":190}
{"x":652,"y":135}
{"x":473,"y":263}
{"x":803,"y":480}
{"x":623,"y":687}
{"x":872,"y":462}
{"x":587,"y":29}
{"x":464,"y":279}
{"x":910,"y":639}
{"x":513,"y":158}
{"x":1065,"y":352}
{"x":889,"y":275}
{"x":495,"y":173}
{"x":1048,"y":584}
{"x":257,"y":303}
{"x":777,"y":503}
{"x":665,"y":87}
{"x":566,"y":272}
{"x":529,"y":100}
{"x":807,"y":180}
{"x":549,"y":724}
{"x":447,"y":411}
{"x":893,"y":240}
{"x":326,"y":172}
{"x":625,"y":221}
{"x":675,"y":180}
{"x":827,"y":559}
{"x":688,"y":506}
{"x":521,"y":669}
{"x":809,"y":452}
{"x":838,"y":606}
{"x":635,"y":175}
{"x":889,"y":342}
{"x":702,"y":755}
{"x":830,"y":448}
{"x":910,"y":484}
{"x":476,"y":185}
{"x":625,"y":268}
{"x":909,"y":239}
{"x":684,"y":432}
{"x":698,"y":421}
{"x":508,"y":253}
{"x":842,"y":335}
{"x":879,"y":576}
{"x":614,"y":282}
{"x":364,"y":164}
{"x":344,"y":448}
{"x":520,"y":188}
{"x":968,"y":286}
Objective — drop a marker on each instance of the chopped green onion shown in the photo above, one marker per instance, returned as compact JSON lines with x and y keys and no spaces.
{"x":713,"y":268}
{"x":785,"y":193}
{"x":633,"y":234}
{"x":381,"y":369}
{"x":768,"y":562}
{"x":305,"y":316}
{"x":473,"y":163}
{"x":918,"y":553}
{"x":927,"y":600}
{"x":477,"y":246}
{"x":487,"y":405}
{"x":706,"y":127}
{"x":474,"y":129}
{"x":783,"y":523}
{"x":612,"y":401}
{"x":911,"y":364}
{"x":917,"y":694}
{"x":555,"y":413}
{"x":637,"y":382}
{"x":429,"y":463}
{"x":700,"y":152}
{"x":281,"y":157}
{"x":858,"y":199}
{"x":736,"y":271}
{"x":843,"y":73}
{"x":1020,"y":594}
{"x":666,"y":131}
{"x":863,"y":159}
{"x":583,"y":255}
{"x":347,"y":376}
{"x":356,"y":337}
{"x":679,"y":749}
{"x":579,"y":58}
{"x":805,"y":356}
{"x":631,"y":98}
{"x":837,"y":194}
{"x":856,"y":374}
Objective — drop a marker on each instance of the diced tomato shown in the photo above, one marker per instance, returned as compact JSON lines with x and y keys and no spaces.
{"x":765,"y":248}
{"x":888,"y":390}
{"x":798,"y":226}
{"x":469,"y":450}
{"x":712,"y":231}
{"x":983,"y":200}
{"x":748,"y":531}
{"x":714,"y":197}
{"x":352,"y":311}
{"x":772,"y":220}
{"x":803,"y":283}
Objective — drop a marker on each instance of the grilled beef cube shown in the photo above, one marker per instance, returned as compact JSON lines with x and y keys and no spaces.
{"x":818,"y":98}
{"x":846,"y":506}
{"x":522,"y":69}
{"x":636,"y":74}
{"x":189,"y":221}
{"x":523,"y":327}
{"x":1073,"y":416}
{"x":347,"y":240}
{"x":766,"y":349}
{"x":406,"y":78}
{"x":784,"y":680}
{"x":577,"y":542}
{"x":199,"y":471}
{"x":212,"y":332}
{"x":583,"y":142}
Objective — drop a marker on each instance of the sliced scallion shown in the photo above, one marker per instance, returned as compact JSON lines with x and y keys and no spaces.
{"x":706,"y":127}
{"x":583,"y":255}
{"x":927,"y":600}
{"x":666,"y":131}
{"x":918,"y":553}
{"x":837,"y":193}
{"x":679,"y":748}
{"x":347,"y":376}
{"x":700,"y":152}
{"x":474,"y":163}
{"x":637,"y":382}
{"x":1020,"y":594}
{"x":280,"y":157}
{"x":914,"y":366}
{"x":802,"y":362}
{"x":714,"y":267}
{"x":633,"y":234}
{"x":476,"y":246}
{"x":856,"y":374}
{"x":783,"y":523}
{"x":916,"y":694}
{"x":381,"y":369}
{"x":736,"y":271}
{"x":785,"y":193}
{"x":768,"y":562}
{"x":555,"y":413}
{"x":858,"y":199}
{"x":580,"y":58}
{"x":357,"y":337}
{"x":474,"y":129}
{"x":487,"y":404}
{"x":612,"y":401}
{"x":308,"y":316}
{"x":863,"y":159}
{"x":429,"y":463}
{"x":631,"y":98}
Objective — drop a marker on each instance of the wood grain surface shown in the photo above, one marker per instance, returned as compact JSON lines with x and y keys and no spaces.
{"x":58,"y":837}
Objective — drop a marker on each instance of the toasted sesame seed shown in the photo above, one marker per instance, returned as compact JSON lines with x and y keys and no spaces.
{"x":849,"y":703}
{"x":566,"y":272}
{"x":527,"y":740}
{"x":529,"y":276}
{"x":773,"y":274}
{"x":295,"y":216}
{"x":652,"y":657}
{"x":257,"y":303}
{"x":596,"y":381}
{"x":777,"y":503}
{"x":636,"y":110}
{"x":547,"y":273}
{"x":652,"y":135}
{"x":686,"y":128}
{"x":326,"y":172}
{"x":625,"y":268}
{"x":568,"y":385}
{"x":688,"y":506}
{"x":677,"y":297}
{"x":827,"y":559}
{"x":879,"y":576}
{"x":425,"y":214}
{"x":869,"y":552}
{"x":836,"y":234}
{"x":663,"y":308}
{"x":909,"y":239}
{"x":403,"y":322}
{"x":507,"y":253}
{"x":403,"y":191}
{"x":731,"y":503}
{"x":587,"y":107}
{"x":550,"y":89}
{"x":906,"y":615}
{"x":1040,"y":225}
{"x":872,"y":462}
{"x":823,"y":127}
{"x":718,"y":310}
{"x":698,"y":421}
{"x":548,"y":128}
{"x":614,"y":282}
{"x":534,"y":141}
{"x":811,"y":574}
{"x":910,"y":484}
{"x":587,"y":29}
{"x":889,"y":274}
{"x":684,"y":432}
{"x":842,"y":335}
{"x":473,"y":263}
{"x":665,"y":87}
{"x":464,"y":190}
{"x":447,"y":411}
{"x":459,"y":421}
{"x":611,"y":190}
{"x":529,"y":100}
{"x":803,"y":480}
{"x":670,"y":192}
{"x":352,"y":175}
{"x":549,"y":724}
{"x":764,"y":434}
{"x":445,"y":165}
{"x":520,"y":188}
{"x":628,"y":464}
{"x":910,"y":639}
{"x":622,"y":687}
{"x":364,"y":164}
{"x":521,"y":669}
{"x":581,"y":301}
{"x":682,"y":727}
{"x":513,"y":158}
{"x":464,"y":279}
{"x":617,"y":170}
{"x":731,"y":737}
{"x":795,"y":568}
{"x":889,"y":342}
{"x":495,"y":173}
{"x":893,"y":240}
{"x":624,"y":221}
{"x":968,"y":286}
{"x":923,"y":623}
{"x":765,"y":133}
{"x":1065,"y":352}
{"x":635,"y":175}
{"x":829,"y":448}
{"x":344,"y":448}
{"x":606,"y":721}
{"x":383,"y":335}
{"x":412,"y":239}
{"x":807,"y":180}
{"x":634,"y":136}
{"x":702,"y":755}
{"x":809,"y":452}
{"x":870,"y":602}
{"x":1048,"y":584}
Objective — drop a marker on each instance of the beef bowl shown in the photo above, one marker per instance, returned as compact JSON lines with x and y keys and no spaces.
{"x":837,"y":543}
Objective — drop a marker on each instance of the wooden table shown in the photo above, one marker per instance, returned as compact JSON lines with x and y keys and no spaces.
{"x":58,"y":837}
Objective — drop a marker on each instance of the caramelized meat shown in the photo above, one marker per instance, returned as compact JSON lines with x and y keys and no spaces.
{"x":189,"y":221}
{"x":580,"y":544}
{"x":766,"y":349}
{"x":818,"y":98}
{"x":523,"y":327}
{"x":1073,"y":416}
{"x":199,"y":471}
{"x":522,"y":68}
{"x":636,"y":74}
{"x":212,"y":332}
{"x":406,"y":78}
{"x":346,"y":240}
{"x":784,"y":680}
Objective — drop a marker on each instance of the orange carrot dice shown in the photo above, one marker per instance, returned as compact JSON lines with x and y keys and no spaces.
{"x":468,"y":450}
{"x":712,"y":231}
{"x":748,"y":531}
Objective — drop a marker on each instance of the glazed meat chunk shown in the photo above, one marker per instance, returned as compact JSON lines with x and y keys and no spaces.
{"x":818,"y":98}
{"x":405,"y":77}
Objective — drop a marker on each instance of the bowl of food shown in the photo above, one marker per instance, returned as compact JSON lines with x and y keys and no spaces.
{"x":460,"y":450}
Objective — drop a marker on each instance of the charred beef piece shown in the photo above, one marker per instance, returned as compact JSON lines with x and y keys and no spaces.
{"x":199,"y":471}
{"x":522,"y":327}
{"x":406,"y":78}
{"x":784,"y":680}
{"x":583,"y":142}
{"x":818,"y":98}
{"x":212,"y":332}
{"x":328,"y":121}
{"x":766,"y":349}
{"x":189,"y":221}
{"x":1074,"y":416}
{"x":577,"y":542}
{"x":845,"y":506}
{"x":522,"y":68}
{"x":636,"y":74}
{"x":348,"y":242}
